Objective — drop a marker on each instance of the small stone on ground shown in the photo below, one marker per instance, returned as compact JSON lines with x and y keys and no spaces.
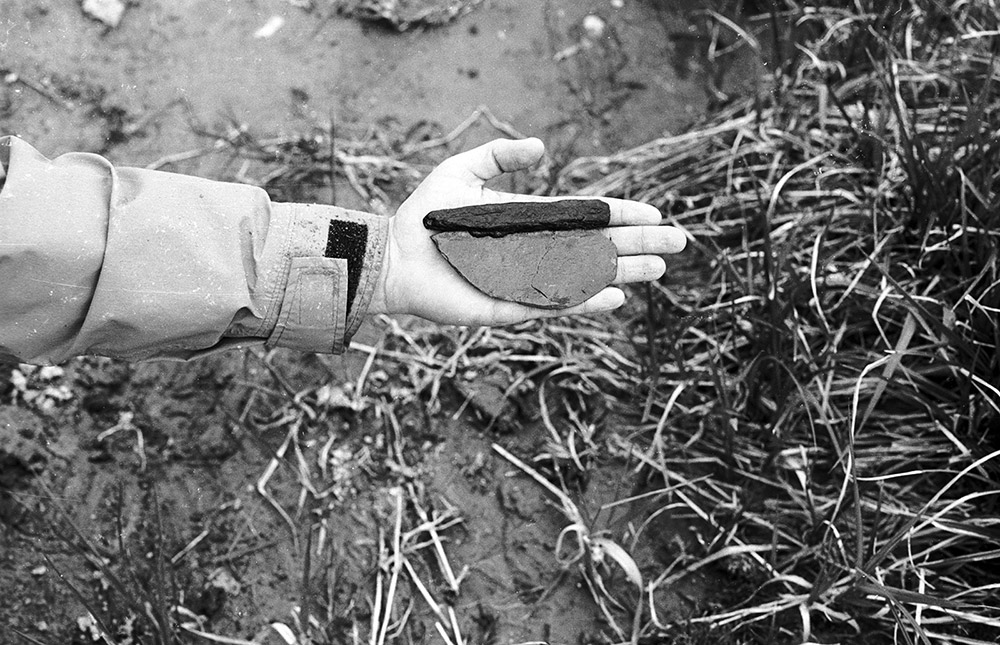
{"x":109,"y":12}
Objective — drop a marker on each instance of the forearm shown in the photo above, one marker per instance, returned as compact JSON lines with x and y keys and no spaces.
{"x":140,"y":264}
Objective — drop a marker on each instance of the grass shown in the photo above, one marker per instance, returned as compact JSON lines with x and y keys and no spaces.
{"x":835,"y":370}
{"x":408,"y":14}
{"x":817,"y":391}
{"x":814,"y":391}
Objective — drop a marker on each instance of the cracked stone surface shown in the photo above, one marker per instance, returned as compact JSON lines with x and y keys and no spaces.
{"x":548,"y":269}
{"x":520,"y":217}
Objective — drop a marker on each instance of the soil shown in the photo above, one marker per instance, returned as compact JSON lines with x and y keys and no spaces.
{"x":130,"y":490}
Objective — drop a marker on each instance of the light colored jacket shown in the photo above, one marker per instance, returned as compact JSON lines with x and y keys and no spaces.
{"x":139,"y":264}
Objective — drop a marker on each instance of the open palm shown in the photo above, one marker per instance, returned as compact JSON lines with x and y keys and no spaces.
{"x":416,"y":278}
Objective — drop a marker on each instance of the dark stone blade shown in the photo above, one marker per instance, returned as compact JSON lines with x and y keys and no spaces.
{"x":521,"y":217}
{"x":548,"y":269}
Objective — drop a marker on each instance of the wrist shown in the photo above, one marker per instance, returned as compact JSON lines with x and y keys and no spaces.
{"x":379,"y":303}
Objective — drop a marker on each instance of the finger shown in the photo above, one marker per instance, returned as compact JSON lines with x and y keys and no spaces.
{"x":493,"y":159}
{"x":639,"y":240}
{"x":506,"y":313}
{"x":606,"y":300}
{"x":640,"y":268}
{"x":624,"y":212}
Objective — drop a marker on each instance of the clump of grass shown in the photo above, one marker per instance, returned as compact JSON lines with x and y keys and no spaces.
{"x":834,"y":370}
{"x":404,"y":15}
{"x":135,"y":599}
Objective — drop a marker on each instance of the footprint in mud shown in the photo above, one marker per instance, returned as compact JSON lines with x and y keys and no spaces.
{"x":528,"y":541}
{"x":21,"y":457}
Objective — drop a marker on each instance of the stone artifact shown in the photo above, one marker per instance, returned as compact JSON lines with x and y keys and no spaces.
{"x":521,"y":217}
{"x":543,"y":254}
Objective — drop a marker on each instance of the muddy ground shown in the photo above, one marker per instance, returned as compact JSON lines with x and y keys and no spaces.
{"x":133,"y":491}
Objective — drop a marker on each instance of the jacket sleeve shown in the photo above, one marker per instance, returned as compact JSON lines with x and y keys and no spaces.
{"x":139,"y":264}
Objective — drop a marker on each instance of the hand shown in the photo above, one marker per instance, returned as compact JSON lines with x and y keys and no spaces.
{"x":417,"y":279}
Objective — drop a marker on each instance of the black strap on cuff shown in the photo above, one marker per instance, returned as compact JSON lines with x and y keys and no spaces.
{"x":348,"y":241}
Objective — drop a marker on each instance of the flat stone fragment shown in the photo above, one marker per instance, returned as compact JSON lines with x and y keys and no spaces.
{"x":547,"y":269}
{"x":521,"y":217}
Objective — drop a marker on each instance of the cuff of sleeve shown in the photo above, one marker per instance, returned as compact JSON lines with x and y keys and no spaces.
{"x":371,"y":269}
{"x":312,"y":315}
{"x":317,"y":313}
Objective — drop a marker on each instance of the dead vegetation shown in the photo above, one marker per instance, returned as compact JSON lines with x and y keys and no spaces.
{"x":406,"y":14}
{"x":835,"y":373}
{"x":814,"y":394}
{"x":818,"y":397}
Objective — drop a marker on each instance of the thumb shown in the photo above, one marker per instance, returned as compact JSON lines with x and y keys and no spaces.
{"x":493,"y":159}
